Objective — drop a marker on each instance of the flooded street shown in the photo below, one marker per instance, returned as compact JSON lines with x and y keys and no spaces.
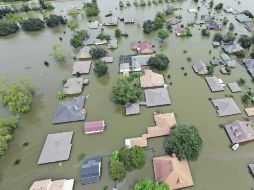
{"x":23,"y":54}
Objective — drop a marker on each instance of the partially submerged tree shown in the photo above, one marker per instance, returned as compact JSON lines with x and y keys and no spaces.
{"x":7,"y":28}
{"x":126,"y":90}
{"x":162,"y":34}
{"x":58,"y":53}
{"x":32,"y":24}
{"x":98,"y":52}
{"x":185,"y":142}
{"x":148,"y":184}
{"x":118,"y":33}
{"x":73,"y":25}
{"x":159,"y":61}
{"x":117,"y":170}
{"x":245,"y":41}
{"x":92,"y":8}
{"x":100,"y":68}
{"x":78,"y":38}
{"x":248,"y":97}
{"x":54,"y":20}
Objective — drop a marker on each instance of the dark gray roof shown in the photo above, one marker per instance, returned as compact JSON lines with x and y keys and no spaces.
{"x":251,"y":166}
{"x":70,"y":110}
{"x":157,"y":97}
{"x":240,"y":131}
{"x":57,"y":147}
{"x":125,"y":59}
{"x":226,"y":107}
{"x":214,"y":84}
{"x":91,"y":170}
{"x":200,"y":67}
{"x":234,"y":87}
{"x":215,"y":61}
{"x":249,"y":64}
{"x":231,"y":48}
{"x":132,"y":108}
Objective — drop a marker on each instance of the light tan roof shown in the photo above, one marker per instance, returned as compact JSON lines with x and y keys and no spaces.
{"x":138,"y":141}
{"x":249,"y":111}
{"x":41,"y":185}
{"x":165,"y":120}
{"x":57,"y":185}
{"x":170,"y":170}
{"x":157,"y":131}
{"x":151,"y":79}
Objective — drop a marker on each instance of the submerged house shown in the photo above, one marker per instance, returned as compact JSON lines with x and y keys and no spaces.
{"x":70,"y":110}
{"x":234,"y":87}
{"x":90,"y":42}
{"x":81,"y":67}
{"x":207,"y":18}
{"x":240,"y":131}
{"x":74,"y":85}
{"x":132,"y":108}
{"x":242,"y":18}
{"x":48,"y":184}
{"x":84,"y":53}
{"x":226,"y":107}
{"x":214,"y":25}
{"x":173,"y":21}
{"x":249,"y":26}
{"x":229,"y":9}
{"x":157,"y":97}
{"x":94,"y":127}
{"x":91,"y":170}
{"x":57,"y":147}
{"x":225,"y":57}
{"x":143,"y":47}
{"x":138,"y":62}
{"x":200,"y":68}
{"x":151,"y":79}
{"x":231,"y":48}
{"x":94,"y":25}
{"x":251,"y":167}
{"x":111,"y":21}
{"x":176,"y":173}
{"x":214,"y":84}
{"x":249,"y":64}
{"x":112,"y":44}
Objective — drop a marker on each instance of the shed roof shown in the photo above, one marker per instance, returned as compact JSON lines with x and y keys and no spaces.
{"x":151,"y":79}
{"x":124,"y":67}
{"x":91,"y":170}
{"x":226,"y":107}
{"x":214,"y":84}
{"x":70,"y":110}
{"x":157,"y":97}
{"x":94,"y":126}
{"x":170,"y":170}
{"x":81,"y":67}
{"x":57,"y":147}
{"x":174,"y":20}
{"x":215,"y":61}
{"x":234,"y":87}
{"x":240,"y":131}
{"x":132,"y":108}
{"x":73,"y":85}
{"x":200,"y":67}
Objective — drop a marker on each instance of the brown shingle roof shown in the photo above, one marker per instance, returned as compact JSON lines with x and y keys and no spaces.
{"x":170,"y":170}
{"x":151,"y":79}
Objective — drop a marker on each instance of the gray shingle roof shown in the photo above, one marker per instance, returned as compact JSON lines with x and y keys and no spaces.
{"x":200,"y":67}
{"x":91,"y":170}
{"x":251,"y":166}
{"x":70,"y":110}
{"x":226,"y":107}
{"x":249,"y":64}
{"x":214,"y":84}
{"x":225,"y":57}
{"x":234,"y":87}
{"x":132,"y":109}
{"x":240,"y":131}
{"x":157,"y":97}
{"x":57,"y":147}
{"x":231,"y":48}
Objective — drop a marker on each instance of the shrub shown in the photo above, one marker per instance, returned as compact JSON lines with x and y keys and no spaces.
{"x":78,"y":38}
{"x":100,"y":68}
{"x":98,"y":52}
{"x":7,"y":28}
{"x":32,"y":24}
{"x":54,"y":20}
{"x":117,"y":170}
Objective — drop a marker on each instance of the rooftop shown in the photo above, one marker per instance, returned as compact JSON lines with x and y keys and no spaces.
{"x":249,"y":111}
{"x":57,"y":147}
{"x":251,"y":166}
{"x":81,"y":67}
{"x":240,"y":131}
{"x":225,"y":57}
{"x":214,"y":84}
{"x":170,"y":170}
{"x":48,"y":184}
{"x":91,"y":170}
{"x":70,"y":110}
{"x":132,"y":108}
{"x":144,"y":47}
{"x":226,"y":107}
{"x":249,"y":64}
{"x":84,"y":53}
{"x":73,"y":86}
{"x":200,"y":68}
{"x":157,"y":97}
{"x":94,"y":126}
{"x":231,"y":48}
{"x":234,"y":87}
{"x":151,"y":79}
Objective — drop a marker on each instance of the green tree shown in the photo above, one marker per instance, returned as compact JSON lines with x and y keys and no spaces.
{"x":231,"y":27}
{"x":7,"y":28}
{"x":218,"y":6}
{"x":58,"y":53}
{"x":100,"y":68}
{"x":162,"y":34}
{"x":228,"y":37}
{"x":245,"y":41}
{"x":14,"y":18}
{"x":185,"y":142}
{"x":241,"y":82}
{"x":248,"y":97}
{"x":205,"y":32}
{"x":126,"y":90}
{"x":18,"y":96}
{"x":159,"y":61}
{"x":103,"y":36}
{"x":117,"y":170}
{"x":98,"y":52}
{"x":118,"y":33}
{"x":32,"y":24}
{"x":91,"y":9}
{"x":73,"y":12}
{"x":54,"y":21}
{"x":73,"y":25}
{"x":225,"y":21}
{"x":148,"y":184}
{"x":79,"y":36}
{"x":217,"y":37}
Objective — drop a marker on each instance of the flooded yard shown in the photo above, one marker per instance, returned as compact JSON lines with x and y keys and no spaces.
{"x":23,"y":54}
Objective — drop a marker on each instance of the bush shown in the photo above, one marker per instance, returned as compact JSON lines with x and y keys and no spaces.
{"x":54,"y":20}
{"x":118,"y":33}
{"x":58,"y":53}
{"x":218,"y":6}
{"x":98,"y":52}
{"x":205,"y":32}
{"x":159,"y":61}
{"x":100,"y":68}
{"x":117,"y":170}
{"x":148,"y":184}
{"x":245,"y":41}
{"x":72,"y":24}
{"x":32,"y":24}
{"x":185,"y":142}
{"x":240,"y":54}
{"x":79,"y":36}
{"x":162,"y":34}
{"x":126,"y":90}
{"x":103,"y":36}
{"x":217,"y":37}
{"x":7,"y":28}
{"x":229,"y":37}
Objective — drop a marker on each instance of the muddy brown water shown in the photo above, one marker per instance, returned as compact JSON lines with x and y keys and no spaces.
{"x":23,"y":54}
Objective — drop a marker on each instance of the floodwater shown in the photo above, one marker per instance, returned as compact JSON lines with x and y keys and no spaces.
{"x":23,"y":54}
